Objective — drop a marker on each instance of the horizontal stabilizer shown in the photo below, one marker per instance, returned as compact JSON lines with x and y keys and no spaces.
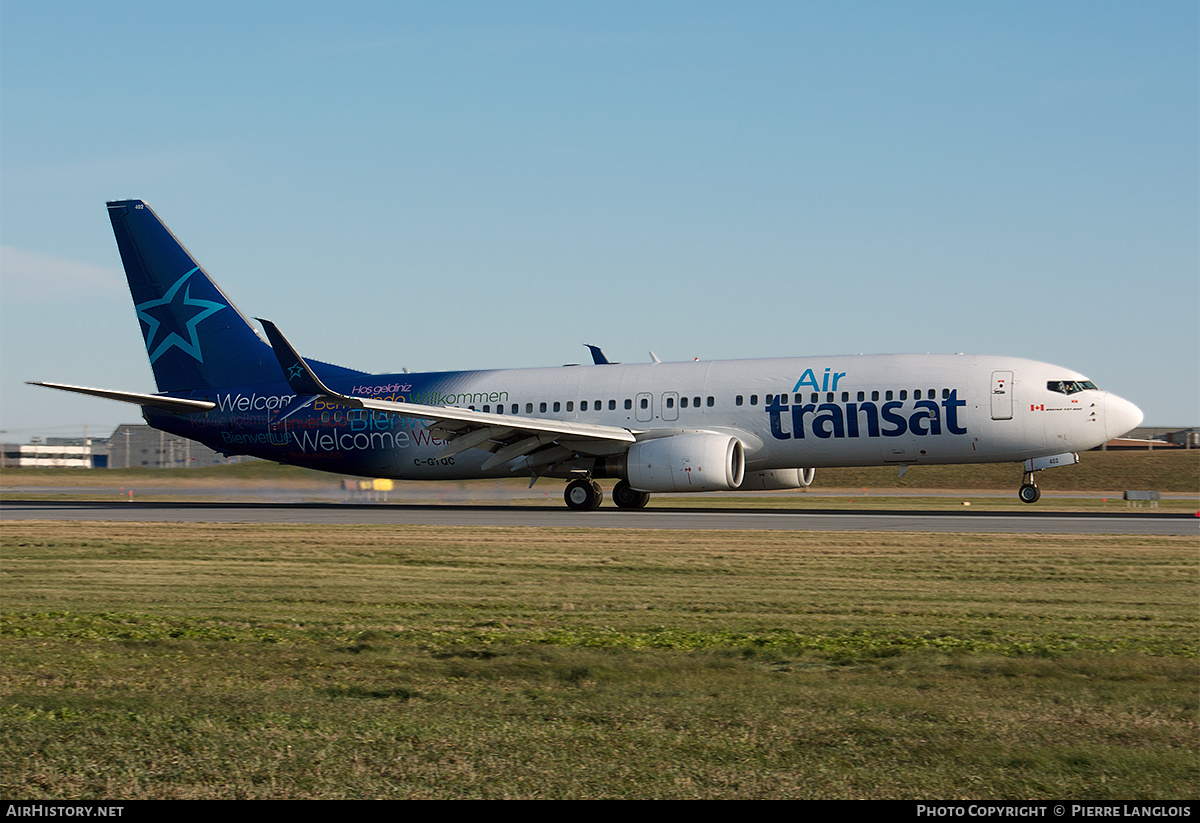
{"x":178,"y":405}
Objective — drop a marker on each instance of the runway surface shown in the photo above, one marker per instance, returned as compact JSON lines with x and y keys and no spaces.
{"x":1131,"y":522}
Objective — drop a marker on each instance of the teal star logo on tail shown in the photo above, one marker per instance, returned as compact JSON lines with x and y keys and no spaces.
{"x":177,"y":318}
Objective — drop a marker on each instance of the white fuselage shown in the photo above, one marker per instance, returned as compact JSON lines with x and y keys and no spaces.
{"x":788,"y":413}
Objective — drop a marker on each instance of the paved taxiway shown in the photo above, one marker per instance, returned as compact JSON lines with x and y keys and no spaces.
{"x":652,"y":518}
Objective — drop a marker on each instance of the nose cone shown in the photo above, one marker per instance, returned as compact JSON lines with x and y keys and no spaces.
{"x":1120,"y":416}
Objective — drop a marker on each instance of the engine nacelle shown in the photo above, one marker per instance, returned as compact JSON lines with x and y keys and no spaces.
{"x":774,"y":479}
{"x":701,"y":462}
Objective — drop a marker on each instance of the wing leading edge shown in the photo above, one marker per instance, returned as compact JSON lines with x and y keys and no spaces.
{"x":506,"y":436}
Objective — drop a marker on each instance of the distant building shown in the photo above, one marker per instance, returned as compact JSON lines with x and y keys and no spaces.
{"x":1188,"y":438}
{"x":48,"y":456}
{"x":138,"y":446}
{"x":130,"y":446}
{"x":1157,"y":437}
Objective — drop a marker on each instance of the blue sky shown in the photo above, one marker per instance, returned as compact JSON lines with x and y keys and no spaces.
{"x":489,"y":185}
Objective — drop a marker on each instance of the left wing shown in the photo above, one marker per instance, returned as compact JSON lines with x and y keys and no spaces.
{"x":506,"y":436}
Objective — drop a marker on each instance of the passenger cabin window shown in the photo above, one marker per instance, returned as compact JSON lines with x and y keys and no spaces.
{"x":737,"y":401}
{"x":710,"y":402}
{"x":683,"y":401}
{"x":612,"y":405}
{"x":754,"y":400}
{"x":582,"y":405}
{"x":542,"y":407}
{"x":557,"y":406}
{"x":628,"y":404}
{"x":570,"y":405}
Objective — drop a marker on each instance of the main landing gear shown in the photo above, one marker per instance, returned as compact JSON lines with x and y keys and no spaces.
{"x":627,"y":497}
{"x":585,"y":494}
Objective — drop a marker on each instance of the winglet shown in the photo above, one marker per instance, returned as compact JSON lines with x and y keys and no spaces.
{"x":598,"y":357}
{"x":302,"y":379}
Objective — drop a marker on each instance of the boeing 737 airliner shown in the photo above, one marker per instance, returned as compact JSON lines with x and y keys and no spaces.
{"x":656,"y":427}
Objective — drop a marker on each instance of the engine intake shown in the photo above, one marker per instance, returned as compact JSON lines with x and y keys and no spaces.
{"x":686,"y":462}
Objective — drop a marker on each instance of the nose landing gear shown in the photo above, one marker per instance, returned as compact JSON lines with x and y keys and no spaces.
{"x":1029,"y":491}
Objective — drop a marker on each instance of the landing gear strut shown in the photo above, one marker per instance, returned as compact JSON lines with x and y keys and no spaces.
{"x":583,"y":495}
{"x":627,"y":497}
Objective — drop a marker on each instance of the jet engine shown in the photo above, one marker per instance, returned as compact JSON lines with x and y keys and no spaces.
{"x":773,"y":479}
{"x":698,"y":462}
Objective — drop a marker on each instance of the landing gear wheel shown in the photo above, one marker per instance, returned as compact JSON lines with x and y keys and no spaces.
{"x":583,"y":495}
{"x":627,"y":497}
{"x":1029,"y":493}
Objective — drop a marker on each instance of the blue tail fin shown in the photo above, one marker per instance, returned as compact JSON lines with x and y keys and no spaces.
{"x":195,"y":337}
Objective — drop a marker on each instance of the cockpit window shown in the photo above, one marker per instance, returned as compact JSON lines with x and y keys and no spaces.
{"x":1070,"y":386}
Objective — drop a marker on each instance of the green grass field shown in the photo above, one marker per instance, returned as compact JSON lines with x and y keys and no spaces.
{"x":247,"y":661}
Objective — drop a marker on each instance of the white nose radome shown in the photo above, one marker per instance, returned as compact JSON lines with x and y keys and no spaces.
{"x":1120,"y":416}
